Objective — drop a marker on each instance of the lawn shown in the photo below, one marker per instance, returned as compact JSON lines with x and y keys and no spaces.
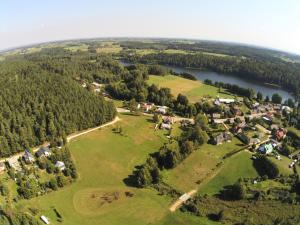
{"x":238,"y":166}
{"x":199,"y":166}
{"x":283,"y":165}
{"x":104,"y":159}
{"x":194,"y":90}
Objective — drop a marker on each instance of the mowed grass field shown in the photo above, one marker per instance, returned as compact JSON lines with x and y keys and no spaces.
{"x":194,"y":90}
{"x":238,"y":166}
{"x":104,"y":159}
{"x":200,"y":166}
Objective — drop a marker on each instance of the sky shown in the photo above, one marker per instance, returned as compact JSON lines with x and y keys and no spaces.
{"x":267,"y":23}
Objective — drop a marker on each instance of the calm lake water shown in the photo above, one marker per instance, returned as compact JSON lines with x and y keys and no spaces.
{"x":225,"y":78}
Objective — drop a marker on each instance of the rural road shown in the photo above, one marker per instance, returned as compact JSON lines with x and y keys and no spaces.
{"x":69,"y":138}
{"x":183,"y":198}
{"x":175,"y":118}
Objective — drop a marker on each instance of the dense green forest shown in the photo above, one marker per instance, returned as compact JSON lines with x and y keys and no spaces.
{"x":42,"y":101}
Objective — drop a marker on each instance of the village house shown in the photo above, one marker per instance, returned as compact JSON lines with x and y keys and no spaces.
{"x":43,"y":151}
{"x":166,"y":126}
{"x":2,"y":167}
{"x":60,"y":165}
{"x":280,"y":134}
{"x":28,"y":157}
{"x":222,"y":137}
{"x":146,"y":106}
{"x":168,"y":119}
{"x":266,"y":148}
{"x":185,"y":123}
{"x":238,"y":128}
{"x":162,"y":109}
{"x":13,"y":163}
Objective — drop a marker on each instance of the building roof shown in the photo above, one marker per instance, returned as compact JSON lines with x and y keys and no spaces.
{"x":226,"y":100}
{"x":42,"y":151}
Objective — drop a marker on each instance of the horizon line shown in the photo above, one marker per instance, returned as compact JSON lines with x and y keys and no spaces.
{"x":5,"y":50}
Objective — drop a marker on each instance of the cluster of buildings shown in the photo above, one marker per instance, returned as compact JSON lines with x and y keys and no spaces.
{"x":29,"y":158}
{"x":151,"y":107}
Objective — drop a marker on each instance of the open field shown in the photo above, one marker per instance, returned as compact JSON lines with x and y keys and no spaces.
{"x":238,"y":166}
{"x":199,"y":166}
{"x":215,"y":54}
{"x":103,"y":159}
{"x":194,"y":90}
{"x":283,"y":165}
{"x":77,"y":47}
{"x":109,"y":48}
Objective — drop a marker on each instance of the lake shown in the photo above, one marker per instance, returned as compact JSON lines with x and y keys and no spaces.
{"x":225,"y":78}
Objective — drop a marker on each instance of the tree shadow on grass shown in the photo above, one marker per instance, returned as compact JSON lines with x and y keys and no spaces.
{"x":131,"y":180}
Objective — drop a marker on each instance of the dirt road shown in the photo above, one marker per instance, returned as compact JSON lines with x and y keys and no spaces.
{"x":183,"y":198}
{"x":69,"y":138}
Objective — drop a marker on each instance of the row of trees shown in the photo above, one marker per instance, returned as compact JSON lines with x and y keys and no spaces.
{"x":171,"y":154}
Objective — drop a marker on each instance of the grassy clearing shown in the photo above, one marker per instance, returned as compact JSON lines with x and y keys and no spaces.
{"x":103,"y":160}
{"x":238,"y":166}
{"x":194,"y":90}
{"x":283,"y":165}
{"x":199,"y":166}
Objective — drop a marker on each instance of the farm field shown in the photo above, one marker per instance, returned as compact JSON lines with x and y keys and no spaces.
{"x":100,"y":196}
{"x":199,"y":166}
{"x":194,"y":90}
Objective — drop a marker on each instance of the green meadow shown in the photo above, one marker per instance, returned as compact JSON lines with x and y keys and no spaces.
{"x":100,"y":196}
{"x":194,"y":90}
